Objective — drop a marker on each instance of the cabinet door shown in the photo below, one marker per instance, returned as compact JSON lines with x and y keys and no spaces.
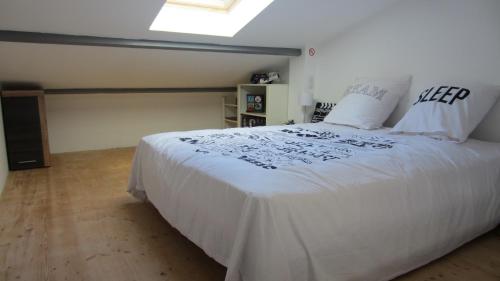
{"x":22,"y":132}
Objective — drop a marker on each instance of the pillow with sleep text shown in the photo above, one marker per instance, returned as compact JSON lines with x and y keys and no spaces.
{"x":448,"y":110}
{"x":368,"y":102}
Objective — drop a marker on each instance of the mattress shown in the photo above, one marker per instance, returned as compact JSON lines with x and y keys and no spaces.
{"x":319,"y":201}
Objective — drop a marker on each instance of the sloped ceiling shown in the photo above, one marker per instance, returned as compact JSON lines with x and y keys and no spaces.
{"x":285,"y":23}
{"x":60,"y":66}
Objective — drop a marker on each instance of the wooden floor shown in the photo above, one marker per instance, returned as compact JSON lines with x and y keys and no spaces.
{"x":75,"y":221}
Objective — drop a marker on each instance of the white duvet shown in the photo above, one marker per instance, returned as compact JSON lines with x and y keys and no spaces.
{"x":317,"y":201}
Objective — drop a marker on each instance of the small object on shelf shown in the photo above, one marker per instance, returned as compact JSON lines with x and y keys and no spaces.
{"x":252,"y":121}
{"x":256,"y":77}
{"x":265,"y":78}
{"x":271,"y":77}
{"x":255,"y":103}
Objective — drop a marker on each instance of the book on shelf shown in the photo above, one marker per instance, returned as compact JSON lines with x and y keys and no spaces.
{"x":252,"y":121}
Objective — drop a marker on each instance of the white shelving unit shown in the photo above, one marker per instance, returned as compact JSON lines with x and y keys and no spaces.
{"x":230,"y":111}
{"x":275,"y":99}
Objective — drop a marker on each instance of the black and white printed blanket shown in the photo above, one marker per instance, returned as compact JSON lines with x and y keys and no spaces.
{"x":272,"y":149}
{"x":319,"y":201}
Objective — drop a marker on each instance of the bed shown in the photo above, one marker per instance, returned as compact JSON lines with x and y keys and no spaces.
{"x":319,"y":201}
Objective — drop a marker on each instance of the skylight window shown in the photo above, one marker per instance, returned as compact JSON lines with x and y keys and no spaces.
{"x":210,"y":4}
{"x":208,"y":17}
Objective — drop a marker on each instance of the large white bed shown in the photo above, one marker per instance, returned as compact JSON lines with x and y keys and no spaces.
{"x":318,"y":201}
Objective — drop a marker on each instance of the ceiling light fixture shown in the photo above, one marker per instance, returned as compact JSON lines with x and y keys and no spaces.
{"x":207,"y":17}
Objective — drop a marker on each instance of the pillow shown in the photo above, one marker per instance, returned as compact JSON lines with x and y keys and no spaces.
{"x":369,"y":102}
{"x":448,"y":110}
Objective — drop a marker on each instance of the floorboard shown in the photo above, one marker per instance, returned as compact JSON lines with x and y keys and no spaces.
{"x":74,"y":221}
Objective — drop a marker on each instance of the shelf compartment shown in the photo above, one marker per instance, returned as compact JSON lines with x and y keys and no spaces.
{"x":231,"y":119}
{"x":263,"y":115}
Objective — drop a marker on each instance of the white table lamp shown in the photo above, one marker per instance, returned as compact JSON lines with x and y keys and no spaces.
{"x":306,"y":100}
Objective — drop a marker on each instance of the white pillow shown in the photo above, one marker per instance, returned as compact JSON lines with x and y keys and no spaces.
{"x":369,"y":102}
{"x":448,"y":110}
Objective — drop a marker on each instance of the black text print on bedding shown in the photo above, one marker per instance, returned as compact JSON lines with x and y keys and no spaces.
{"x":367,"y":90}
{"x":443,"y":94}
{"x":287,"y":147}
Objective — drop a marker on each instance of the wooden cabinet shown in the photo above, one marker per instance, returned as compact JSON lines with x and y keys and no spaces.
{"x":274,"y":108}
{"x":25,"y":127}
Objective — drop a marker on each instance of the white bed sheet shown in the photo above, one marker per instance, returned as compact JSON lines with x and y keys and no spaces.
{"x":359,"y":205}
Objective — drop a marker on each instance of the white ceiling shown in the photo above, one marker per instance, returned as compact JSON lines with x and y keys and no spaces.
{"x":285,"y":23}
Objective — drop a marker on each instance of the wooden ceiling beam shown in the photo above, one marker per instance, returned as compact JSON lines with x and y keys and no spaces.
{"x":64,"y":39}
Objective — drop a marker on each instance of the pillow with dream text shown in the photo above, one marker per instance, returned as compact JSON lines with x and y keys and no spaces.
{"x":369,"y":102}
{"x":450,"y":110}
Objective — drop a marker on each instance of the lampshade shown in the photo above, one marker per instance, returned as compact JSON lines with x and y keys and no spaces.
{"x":306,"y":99}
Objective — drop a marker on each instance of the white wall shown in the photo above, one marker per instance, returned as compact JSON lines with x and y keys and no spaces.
{"x":83,"y":122}
{"x":98,"y":121}
{"x":302,"y":79}
{"x":4,"y":167}
{"x":428,"y":39}
{"x":297,"y":77}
